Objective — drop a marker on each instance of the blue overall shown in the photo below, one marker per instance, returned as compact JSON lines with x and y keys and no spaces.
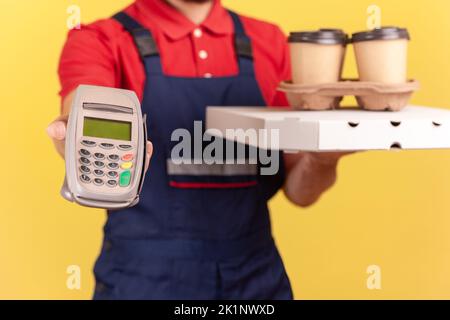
{"x":192,"y":236}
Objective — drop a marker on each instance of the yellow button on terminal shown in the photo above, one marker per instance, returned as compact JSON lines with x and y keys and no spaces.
{"x":127,"y":165}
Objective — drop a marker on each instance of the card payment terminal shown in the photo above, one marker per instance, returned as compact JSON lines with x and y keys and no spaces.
{"x":105,"y":148}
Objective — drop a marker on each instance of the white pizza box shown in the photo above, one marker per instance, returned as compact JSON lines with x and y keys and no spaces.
{"x":414,"y":127}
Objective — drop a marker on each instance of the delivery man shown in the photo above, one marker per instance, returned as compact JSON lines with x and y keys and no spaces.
{"x":195,"y":234}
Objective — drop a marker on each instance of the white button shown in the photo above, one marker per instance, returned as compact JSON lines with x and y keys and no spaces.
{"x":198,"y":33}
{"x":207,"y":75}
{"x":203,"y":54}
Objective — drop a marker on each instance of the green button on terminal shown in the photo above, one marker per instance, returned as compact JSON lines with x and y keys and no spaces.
{"x":125,"y":178}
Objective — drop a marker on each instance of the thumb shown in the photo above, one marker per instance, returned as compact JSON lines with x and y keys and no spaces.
{"x":57,"y":130}
{"x":148,"y":155}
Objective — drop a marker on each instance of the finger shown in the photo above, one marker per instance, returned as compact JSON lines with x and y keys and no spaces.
{"x":347,"y":153}
{"x":148,"y":155}
{"x":57,"y":130}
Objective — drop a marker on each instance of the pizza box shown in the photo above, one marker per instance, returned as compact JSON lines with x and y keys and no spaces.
{"x":345,"y":129}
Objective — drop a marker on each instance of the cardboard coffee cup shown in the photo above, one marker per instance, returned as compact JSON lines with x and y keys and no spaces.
{"x":381,"y":54}
{"x":317,"y":56}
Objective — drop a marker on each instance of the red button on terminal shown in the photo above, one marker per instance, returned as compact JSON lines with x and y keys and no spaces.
{"x":127,"y":157}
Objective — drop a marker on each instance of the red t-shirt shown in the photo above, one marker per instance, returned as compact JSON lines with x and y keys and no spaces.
{"x":103,"y":53}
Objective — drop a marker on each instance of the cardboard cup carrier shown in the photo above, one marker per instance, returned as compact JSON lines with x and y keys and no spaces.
{"x":317,"y":61}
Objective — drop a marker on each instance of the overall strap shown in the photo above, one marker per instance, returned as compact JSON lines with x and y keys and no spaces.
{"x":243,"y":46}
{"x":145,"y":44}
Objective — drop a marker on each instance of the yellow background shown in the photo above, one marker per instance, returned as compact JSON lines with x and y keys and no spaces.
{"x":390,"y":209}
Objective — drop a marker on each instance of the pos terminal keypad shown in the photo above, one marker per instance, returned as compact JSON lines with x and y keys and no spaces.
{"x":106,"y":164}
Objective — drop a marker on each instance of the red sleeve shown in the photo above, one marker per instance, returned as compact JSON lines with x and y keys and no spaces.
{"x":284,"y":67}
{"x":88,"y":58}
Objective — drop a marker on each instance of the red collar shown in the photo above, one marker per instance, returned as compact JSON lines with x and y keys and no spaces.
{"x":175,"y":25}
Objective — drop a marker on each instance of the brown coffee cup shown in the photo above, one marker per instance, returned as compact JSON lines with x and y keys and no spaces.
{"x":381,"y":54}
{"x":317,"y":56}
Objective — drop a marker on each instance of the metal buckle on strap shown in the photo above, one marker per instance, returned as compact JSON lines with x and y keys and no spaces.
{"x":145,"y":43}
{"x":244,"y":47}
